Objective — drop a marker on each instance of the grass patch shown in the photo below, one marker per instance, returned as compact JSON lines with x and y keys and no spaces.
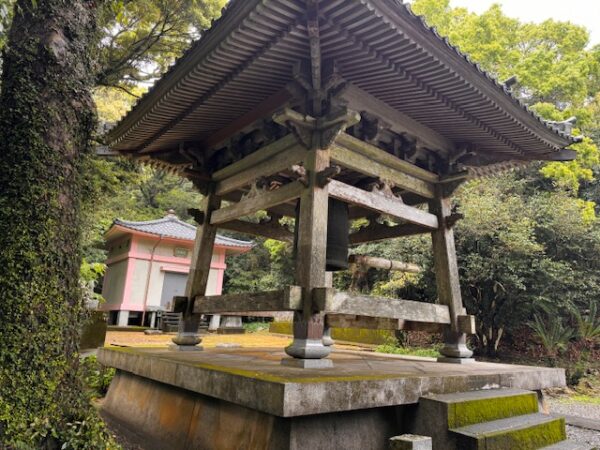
{"x":431,"y":352}
{"x":254,"y":327}
{"x":578,"y":398}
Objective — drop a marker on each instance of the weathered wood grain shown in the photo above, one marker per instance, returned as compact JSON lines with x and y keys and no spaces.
{"x":335,"y":302}
{"x":262,"y":201}
{"x":275,"y":163}
{"x":383,"y":263}
{"x":362,"y":164}
{"x":255,"y":158}
{"x":268,"y":230}
{"x":287,"y":299}
{"x":383,"y":157}
{"x":379,"y":232}
{"x":360,"y":100}
{"x":382,"y":204}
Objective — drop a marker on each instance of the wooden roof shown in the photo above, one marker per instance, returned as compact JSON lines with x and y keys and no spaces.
{"x":244,"y":62}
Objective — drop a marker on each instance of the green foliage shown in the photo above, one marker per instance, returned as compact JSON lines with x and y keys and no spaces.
{"x":142,"y":38}
{"x":588,"y":323}
{"x":96,"y":377}
{"x":254,"y":327}
{"x":553,"y":335}
{"x":430,"y":352}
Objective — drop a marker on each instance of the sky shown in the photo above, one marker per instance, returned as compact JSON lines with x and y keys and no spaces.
{"x":580,"y":12}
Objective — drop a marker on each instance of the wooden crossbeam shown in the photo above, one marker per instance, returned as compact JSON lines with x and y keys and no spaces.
{"x":362,"y":164}
{"x":383,"y":263}
{"x":287,"y":299}
{"x":260,"y":202}
{"x":382,"y":204}
{"x":262,"y":154}
{"x":359,"y":100}
{"x":268,"y":230}
{"x":385,"y":158}
{"x":273,"y":164}
{"x":333,"y":302}
{"x":379,"y":323}
{"x":379,"y":232}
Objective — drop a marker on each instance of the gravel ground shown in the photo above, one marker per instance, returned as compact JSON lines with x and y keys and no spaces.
{"x":564,"y":405}
{"x":583,"y":436}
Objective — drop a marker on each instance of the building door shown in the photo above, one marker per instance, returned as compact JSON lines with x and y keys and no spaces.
{"x":173,"y":285}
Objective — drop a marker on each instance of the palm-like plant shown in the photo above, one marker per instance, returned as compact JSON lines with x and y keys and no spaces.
{"x":588,"y":325}
{"x":553,"y":335}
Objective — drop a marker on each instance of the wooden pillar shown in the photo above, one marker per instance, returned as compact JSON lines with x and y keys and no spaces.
{"x":307,"y":349}
{"x":447,"y":280}
{"x":187,"y":335}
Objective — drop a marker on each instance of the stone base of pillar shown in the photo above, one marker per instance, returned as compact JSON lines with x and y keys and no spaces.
{"x":455,"y":346}
{"x":231,"y":325}
{"x":446,"y":359}
{"x":185,"y":348}
{"x":308,"y":349}
{"x":307,"y":363}
{"x":327,"y":340}
{"x":215,"y":323}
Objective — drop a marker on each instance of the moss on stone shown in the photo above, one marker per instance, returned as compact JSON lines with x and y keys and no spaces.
{"x":470,"y":412}
{"x":525,"y":439}
{"x":359,"y":335}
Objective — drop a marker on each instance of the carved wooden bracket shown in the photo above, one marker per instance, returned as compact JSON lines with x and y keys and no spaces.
{"x":256,"y":189}
{"x":301,"y":174}
{"x":385,"y":188}
{"x":327,"y":174}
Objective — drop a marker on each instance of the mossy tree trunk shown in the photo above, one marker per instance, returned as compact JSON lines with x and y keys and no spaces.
{"x":47,"y":117}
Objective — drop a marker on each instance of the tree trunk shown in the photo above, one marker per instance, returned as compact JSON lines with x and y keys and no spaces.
{"x":46,"y":119}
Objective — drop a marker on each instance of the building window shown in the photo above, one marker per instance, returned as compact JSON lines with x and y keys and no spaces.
{"x":180,"y":252}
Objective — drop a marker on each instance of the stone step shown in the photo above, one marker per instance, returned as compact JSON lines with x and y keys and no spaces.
{"x":468,"y":408}
{"x":568,"y":445}
{"x":526,"y":432}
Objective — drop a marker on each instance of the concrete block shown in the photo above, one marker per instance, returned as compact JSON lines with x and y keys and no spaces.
{"x":307,"y":363}
{"x":448,"y":360}
{"x":186,"y":348}
{"x":411,"y":442}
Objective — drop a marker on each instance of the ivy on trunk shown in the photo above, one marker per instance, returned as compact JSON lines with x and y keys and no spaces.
{"x":47,"y":117}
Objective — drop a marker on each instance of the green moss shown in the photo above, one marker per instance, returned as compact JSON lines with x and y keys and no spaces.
{"x":280,"y":328}
{"x":533,"y":437}
{"x":465,"y":413}
{"x":260,"y":375}
{"x":359,"y":335}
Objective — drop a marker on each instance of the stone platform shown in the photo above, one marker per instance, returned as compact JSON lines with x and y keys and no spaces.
{"x":245,"y":398}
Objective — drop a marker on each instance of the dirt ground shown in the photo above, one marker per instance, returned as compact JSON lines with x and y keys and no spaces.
{"x":256,"y":339}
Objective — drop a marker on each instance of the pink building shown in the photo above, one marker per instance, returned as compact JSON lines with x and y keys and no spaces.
{"x":148,"y":264}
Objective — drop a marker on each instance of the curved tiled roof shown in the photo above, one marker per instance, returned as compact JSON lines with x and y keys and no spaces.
{"x":380,"y":46}
{"x":173,"y":227}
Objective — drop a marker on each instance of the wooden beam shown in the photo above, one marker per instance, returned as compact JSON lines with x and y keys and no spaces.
{"x":385,"y":158}
{"x":260,"y":155}
{"x":264,"y":109}
{"x":378,"y":323}
{"x":203,"y":249}
{"x":382,"y":204}
{"x":383,"y":263}
{"x":362,"y":164}
{"x":333,"y":302}
{"x":445,"y":262}
{"x":287,"y":299}
{"x":261,"y":201}
{"x":359,"y":100}
{"x":268,"y":230}
{"x":272,"y":165}
{"x":378,"y":232}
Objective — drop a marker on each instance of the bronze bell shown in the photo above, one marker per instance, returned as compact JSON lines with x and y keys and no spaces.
{"x":338,"y":238}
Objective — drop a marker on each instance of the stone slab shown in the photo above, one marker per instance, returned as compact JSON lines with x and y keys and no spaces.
{"x":411,"y":442}
{"x":325,"y":363}
{"x":256,"y":379}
